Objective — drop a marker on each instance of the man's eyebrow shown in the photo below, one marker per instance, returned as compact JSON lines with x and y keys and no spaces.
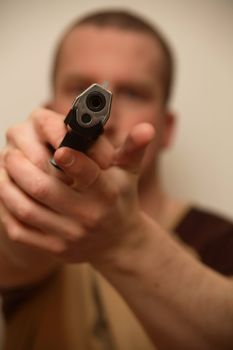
{"x":141,"y":84}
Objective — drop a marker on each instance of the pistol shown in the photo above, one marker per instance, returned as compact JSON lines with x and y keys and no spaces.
{"x":86,"y":118}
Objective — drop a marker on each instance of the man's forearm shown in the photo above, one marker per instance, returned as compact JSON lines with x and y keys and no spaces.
{"x":21,"y":264}
{"x":181,"y":303}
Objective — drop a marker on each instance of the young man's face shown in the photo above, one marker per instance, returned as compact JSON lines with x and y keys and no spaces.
{"x":131,"y":63}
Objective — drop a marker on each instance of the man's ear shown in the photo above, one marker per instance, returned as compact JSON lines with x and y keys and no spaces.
{"x":168,"y":129}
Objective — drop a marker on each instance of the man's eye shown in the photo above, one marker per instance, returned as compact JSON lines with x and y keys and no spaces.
{"x":131,"y":93}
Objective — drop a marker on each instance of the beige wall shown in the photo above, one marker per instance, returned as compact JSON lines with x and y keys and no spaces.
{"x":200,"y":166}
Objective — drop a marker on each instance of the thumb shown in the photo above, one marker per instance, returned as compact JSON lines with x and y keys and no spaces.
{"x":129,"y":155}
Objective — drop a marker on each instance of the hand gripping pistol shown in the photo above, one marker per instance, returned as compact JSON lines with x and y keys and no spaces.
{"x":86,"y":118}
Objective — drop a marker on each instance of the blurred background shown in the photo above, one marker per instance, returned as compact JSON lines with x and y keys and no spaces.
{"x":199,"y":167}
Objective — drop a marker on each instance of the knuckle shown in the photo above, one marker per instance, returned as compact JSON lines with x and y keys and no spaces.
{"x":12,"y":132}
{"x":12,"y":229}
{"x":24,"y":212}
{"x":2,"y":185}
{"x":91,"y":220}
{"x":39,"y":189}
{"x":13,"y":232}
{"x":58,"y":248}
{"x":38,"y":114}
{"x":47,"y":121}
{"x":40,"y":163}
{"x":3,"y":158}
{"x":41,"y":117}
{"x":71,"y":234}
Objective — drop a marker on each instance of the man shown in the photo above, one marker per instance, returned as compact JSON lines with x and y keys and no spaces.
{"x":108,"y":209}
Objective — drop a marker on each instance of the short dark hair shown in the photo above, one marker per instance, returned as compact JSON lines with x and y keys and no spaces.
{"x":129,"y":21}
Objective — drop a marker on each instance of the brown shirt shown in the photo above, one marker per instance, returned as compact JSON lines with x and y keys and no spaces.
{"x":76,"y":309}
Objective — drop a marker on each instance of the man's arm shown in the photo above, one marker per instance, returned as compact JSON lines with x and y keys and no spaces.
{"x":182,"y":303}
{"x":22,"y":265}
{"x":97,"y":218}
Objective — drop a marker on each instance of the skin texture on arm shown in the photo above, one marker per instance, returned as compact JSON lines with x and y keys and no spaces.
{"x":98,"y":219}
{"x":181,"y":303}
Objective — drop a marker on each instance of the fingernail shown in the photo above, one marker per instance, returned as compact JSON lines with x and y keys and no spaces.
{"x":66,"y":159}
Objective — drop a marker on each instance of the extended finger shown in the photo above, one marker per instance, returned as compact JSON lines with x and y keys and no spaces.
{"x":130,"y":154}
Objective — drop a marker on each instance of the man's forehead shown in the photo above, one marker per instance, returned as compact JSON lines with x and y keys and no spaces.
{"x":89,"y":37}
{"x":108,"y":52}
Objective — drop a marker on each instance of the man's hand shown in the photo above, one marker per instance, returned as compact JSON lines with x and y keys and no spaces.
{"x":90,"y":212}
{"x":93,"y":215}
